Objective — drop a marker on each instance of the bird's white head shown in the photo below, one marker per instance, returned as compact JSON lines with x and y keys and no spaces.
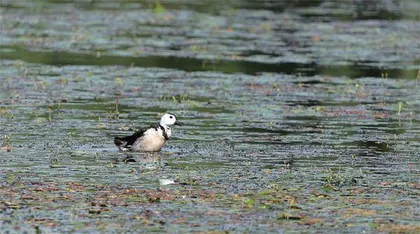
{"x":169,"y":120}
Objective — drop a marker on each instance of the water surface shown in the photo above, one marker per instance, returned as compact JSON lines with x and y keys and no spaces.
{"x":298,"y":116}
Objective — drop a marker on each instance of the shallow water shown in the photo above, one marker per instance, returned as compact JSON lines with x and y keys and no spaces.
{"x":300,"y":116}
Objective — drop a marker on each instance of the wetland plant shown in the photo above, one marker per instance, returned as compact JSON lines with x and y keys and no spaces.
{"x":334,"y":178}
{"x":159,"y":9}
{"x":418,"y":81}
{"x":6,"y":113}
{"x":351,"y":176}
{"x":49,"y":113}
{"x":116,"y":113}
{"x":180,"y":98}
{"x":6,"y":145}
{"x":400,"y":105}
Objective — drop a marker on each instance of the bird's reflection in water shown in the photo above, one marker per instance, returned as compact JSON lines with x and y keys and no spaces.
{"x":145,"y":160}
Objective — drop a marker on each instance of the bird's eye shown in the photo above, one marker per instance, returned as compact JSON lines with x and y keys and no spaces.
{"x":171,"y":117}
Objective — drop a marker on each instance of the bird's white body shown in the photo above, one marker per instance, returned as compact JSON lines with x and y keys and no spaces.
{"x":151,"y":139}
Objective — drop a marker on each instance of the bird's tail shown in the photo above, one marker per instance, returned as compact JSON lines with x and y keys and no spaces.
{"x":121,"y":143}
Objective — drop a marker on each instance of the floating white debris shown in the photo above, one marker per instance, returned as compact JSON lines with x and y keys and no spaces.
{"x":166,"y":182}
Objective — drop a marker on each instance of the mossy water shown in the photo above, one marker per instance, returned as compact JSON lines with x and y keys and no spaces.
{"x":294,"y":120}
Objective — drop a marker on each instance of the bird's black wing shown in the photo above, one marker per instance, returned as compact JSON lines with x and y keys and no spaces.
{"x":128,"y":141}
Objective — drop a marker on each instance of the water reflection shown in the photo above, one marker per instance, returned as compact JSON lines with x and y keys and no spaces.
{"x":196,"y":64}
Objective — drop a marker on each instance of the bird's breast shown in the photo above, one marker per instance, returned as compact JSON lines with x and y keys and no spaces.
{"x":151,"y":141}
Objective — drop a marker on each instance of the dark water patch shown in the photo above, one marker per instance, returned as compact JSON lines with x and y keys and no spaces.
{"x":211,"y":37}
{"x":264,"y":130}
{"x":368,"y":10}
{"x":257,"y":52}
{"x":354,"y":10}
{"x":306,"y":103}
{"x":193,"y":64}
{"x":377,"y":146}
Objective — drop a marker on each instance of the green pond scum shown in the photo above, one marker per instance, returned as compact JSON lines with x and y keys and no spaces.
{"x":299,"y":116}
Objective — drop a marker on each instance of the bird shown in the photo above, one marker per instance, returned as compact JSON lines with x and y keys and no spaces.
{"x":150,"y":139}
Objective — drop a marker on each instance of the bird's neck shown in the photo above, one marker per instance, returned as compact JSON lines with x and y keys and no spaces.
{"x":166,"y":131}
{"x":164,"y":126}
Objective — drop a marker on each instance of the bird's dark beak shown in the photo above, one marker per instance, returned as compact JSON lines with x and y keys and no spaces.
{"x":178,"y":123}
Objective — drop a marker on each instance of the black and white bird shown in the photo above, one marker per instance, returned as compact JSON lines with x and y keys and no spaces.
{"x":150,"y":139}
